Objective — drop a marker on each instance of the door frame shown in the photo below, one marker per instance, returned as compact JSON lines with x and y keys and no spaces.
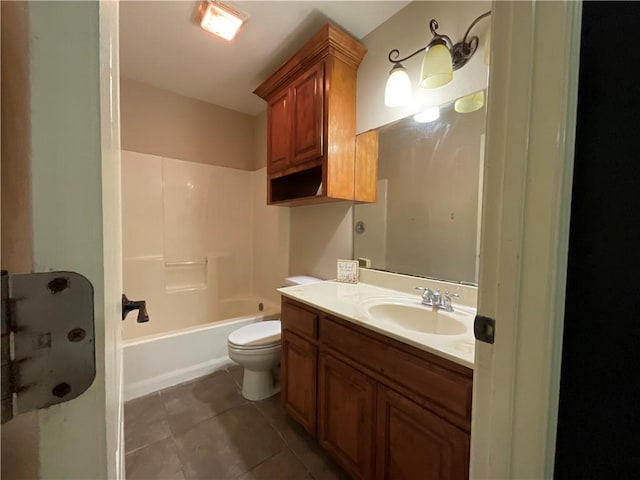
{"x":75,"y":202}
{"x":531,"y":119}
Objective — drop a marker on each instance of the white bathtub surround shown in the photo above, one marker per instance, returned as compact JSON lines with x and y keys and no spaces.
{"x":158,"y":361}
{"x":195,"y":235}
{"x":349,"y":301}
{"x":203,"y":249}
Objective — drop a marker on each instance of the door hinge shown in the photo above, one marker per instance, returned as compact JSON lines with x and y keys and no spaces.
{"x":48,"y":348}
{"x":484,"y":329}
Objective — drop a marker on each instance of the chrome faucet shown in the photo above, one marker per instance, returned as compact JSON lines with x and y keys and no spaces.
{"x":435,"y":299}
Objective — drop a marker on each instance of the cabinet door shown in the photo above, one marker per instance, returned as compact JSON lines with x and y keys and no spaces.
{"x":298,"y":379}
{"x":346,"y":415}
{"x":413,"y":443}
{"x":308,"y":115}
{"x":279,"y":135}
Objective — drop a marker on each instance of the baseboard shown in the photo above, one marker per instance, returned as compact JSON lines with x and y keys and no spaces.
{"x":153,"y":384}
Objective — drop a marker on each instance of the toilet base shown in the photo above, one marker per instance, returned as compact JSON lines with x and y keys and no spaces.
{"x":259,"y":385}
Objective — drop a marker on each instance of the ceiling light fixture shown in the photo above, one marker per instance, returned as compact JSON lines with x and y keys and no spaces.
{"x":220,"y":19}
{"x":441,"y":58}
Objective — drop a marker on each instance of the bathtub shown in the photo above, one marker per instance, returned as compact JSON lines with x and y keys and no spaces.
{"x":159,"y":361}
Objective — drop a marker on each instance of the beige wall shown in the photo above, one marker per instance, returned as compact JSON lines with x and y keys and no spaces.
{"x":166,"y":124}
{"x":19,"y":436}
{"x":320,"y":234}
{"x":271,"y":227}
{"x":260,"y":139}
{"x":407,"y":31}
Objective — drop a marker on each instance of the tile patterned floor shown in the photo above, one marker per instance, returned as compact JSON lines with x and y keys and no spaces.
{"x":206,"y":430}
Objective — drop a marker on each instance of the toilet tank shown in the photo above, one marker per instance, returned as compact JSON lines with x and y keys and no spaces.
{"x":300,"y":280}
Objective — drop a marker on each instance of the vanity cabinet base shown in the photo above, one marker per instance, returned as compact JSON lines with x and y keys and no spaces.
{"x":346,"y":415}
{"x":382,"y":409}
{"x":414,"y":443}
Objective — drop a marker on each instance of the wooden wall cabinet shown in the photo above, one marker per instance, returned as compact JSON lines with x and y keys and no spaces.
{"x":382,"y":409}
{"x":311,"y":116}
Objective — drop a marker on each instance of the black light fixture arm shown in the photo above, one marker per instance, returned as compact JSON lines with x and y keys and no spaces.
{"x":437,"y":38}
{"x":461,"y":52}
{"x":464,"y":50}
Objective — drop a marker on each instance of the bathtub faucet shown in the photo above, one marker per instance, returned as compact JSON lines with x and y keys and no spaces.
{"x":130,"y":305}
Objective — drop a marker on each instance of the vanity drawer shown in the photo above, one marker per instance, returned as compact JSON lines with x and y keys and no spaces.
{"x":298,"y":319}
{"x":399,"y":367}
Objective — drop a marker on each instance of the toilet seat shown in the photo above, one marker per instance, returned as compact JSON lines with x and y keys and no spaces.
{"x":256,"y":336}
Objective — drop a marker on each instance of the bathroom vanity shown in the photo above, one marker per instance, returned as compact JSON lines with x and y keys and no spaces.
{"x":383,"y":400}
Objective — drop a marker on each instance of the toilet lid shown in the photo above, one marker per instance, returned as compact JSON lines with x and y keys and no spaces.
{"x":257,"y":334}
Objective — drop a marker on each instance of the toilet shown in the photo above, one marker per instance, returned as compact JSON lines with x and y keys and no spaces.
{"x":256,"y":347}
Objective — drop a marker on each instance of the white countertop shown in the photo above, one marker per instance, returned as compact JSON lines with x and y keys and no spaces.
{"x":346,"y":301}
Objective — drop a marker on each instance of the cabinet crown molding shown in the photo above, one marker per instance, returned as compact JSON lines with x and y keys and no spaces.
{"x":329,"y":40}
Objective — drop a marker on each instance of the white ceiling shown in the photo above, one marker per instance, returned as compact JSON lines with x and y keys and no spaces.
{"x":161,"y":45}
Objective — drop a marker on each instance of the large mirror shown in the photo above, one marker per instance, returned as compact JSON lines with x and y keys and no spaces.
{"x":426,"y":219}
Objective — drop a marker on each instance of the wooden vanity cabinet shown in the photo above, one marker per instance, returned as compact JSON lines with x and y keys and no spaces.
{"x":311,"y":113}
{"x":299,"y":364}
{"x":414,"y":443}
{"x":382,"y":409}
{"x":346,"y":415}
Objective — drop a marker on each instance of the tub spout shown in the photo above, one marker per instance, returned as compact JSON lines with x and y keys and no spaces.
{"x":140,"y":305}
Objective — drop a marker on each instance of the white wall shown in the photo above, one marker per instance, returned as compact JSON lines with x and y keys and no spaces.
{"x":67,"y":206}
{"x":407,"y":31}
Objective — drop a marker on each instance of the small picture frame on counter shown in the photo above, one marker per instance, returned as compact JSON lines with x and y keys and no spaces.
{"x":347,"y":271}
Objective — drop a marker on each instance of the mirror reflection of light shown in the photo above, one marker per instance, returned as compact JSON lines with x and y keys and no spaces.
{"x":428,"y":115}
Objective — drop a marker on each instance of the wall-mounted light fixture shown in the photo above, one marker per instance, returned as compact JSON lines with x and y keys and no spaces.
{"x":220,"y":18}
{"x":441,"y":58}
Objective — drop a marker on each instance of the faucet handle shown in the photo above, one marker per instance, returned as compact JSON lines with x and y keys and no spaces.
{"x":447,"y":301}
{"x":427,"y":295}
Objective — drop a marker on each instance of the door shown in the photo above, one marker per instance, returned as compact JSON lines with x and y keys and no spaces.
{"x":346,"y":401}
{"x":279,"y":125}
{"x":531,"y":115}
{"x":414,"y":443}
{"x":298,"y":370}
{"x":307,"y":133}
{"x":71,"y":149}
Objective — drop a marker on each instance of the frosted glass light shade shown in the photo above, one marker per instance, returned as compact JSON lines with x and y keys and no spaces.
{"x":397,"y":93}
{"x":428,"y":115}
{"x":470,"y":103}
{"x":437,"y":67}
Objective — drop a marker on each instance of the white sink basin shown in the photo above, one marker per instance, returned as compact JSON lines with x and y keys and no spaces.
{"x":410,"y":314}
